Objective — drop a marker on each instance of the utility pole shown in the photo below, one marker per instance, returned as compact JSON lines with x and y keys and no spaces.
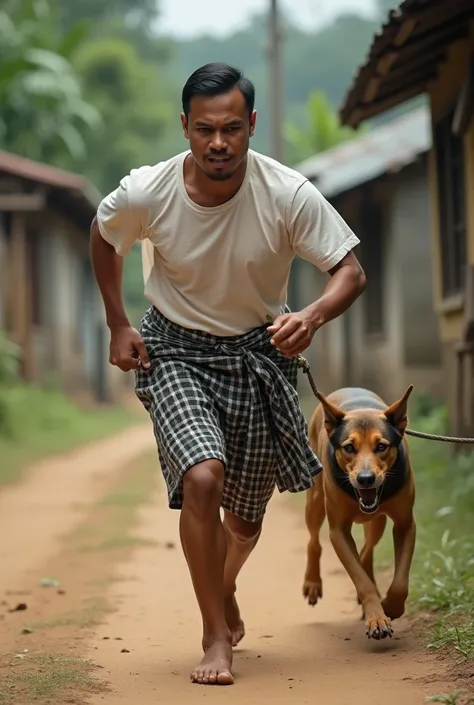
{"x":275,"y":75}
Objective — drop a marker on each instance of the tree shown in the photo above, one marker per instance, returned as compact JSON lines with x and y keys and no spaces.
{"x":136,"y":104}
{"x":42,"y":111}
{"x":139,"y":13}
{"x":322,"y":131}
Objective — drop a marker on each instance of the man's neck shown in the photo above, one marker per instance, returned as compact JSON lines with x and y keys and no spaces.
{"x":207,"y":192}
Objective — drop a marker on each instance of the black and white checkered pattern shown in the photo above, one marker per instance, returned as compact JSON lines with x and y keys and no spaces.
{"x":229,"y":398}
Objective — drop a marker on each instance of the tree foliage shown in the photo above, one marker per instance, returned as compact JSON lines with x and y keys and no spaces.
{"x":322,"y":131}
{"x":43,"y":114}
{"x":135,"y":103}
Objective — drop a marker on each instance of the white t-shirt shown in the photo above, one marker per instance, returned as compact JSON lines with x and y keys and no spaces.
{"x":223,"y":270}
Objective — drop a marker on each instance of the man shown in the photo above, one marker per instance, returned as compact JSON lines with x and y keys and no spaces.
{"x":220,"y":225}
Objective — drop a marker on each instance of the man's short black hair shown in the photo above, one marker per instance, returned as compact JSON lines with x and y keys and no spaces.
{"x":217,"y":79}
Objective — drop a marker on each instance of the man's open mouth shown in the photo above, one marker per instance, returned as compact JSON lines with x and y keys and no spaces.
{"x":369,"y":500}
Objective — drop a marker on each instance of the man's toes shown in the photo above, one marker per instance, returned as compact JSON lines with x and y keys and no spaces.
{"x":225,"y":678}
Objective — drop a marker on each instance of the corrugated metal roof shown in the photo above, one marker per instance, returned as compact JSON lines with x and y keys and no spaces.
{"x":384,"y":149}
{"x":48,"y":175}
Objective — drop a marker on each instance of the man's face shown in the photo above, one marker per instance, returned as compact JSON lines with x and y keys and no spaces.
{"x":219,"y":128}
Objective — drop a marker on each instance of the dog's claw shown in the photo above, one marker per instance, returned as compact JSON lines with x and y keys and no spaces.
{"x":312,"y":592}
{"x":382,"y":630}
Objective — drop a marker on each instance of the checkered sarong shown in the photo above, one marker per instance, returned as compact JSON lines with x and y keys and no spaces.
{"x":233,"y":399}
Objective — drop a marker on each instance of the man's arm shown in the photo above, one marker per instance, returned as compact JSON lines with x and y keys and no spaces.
{"x":347,"y":283}
{"x":108,"y":269}
{"x":320,"y":236}
{"x":114,"y":230}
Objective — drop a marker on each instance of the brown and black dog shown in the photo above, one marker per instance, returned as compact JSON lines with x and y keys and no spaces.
{"x":367,"y":476}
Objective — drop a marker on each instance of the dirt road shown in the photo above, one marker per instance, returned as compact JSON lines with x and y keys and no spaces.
{"x":291,"y":653}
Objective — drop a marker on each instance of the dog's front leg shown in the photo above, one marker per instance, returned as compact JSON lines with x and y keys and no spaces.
{"x":377,"y":623}
{"x":404,"y":536}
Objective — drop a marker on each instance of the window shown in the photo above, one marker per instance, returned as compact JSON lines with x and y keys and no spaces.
{"x":372,"y":249}
{"x":452,"y":206}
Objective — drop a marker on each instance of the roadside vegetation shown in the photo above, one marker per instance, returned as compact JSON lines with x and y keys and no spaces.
{"x":35,"y":422}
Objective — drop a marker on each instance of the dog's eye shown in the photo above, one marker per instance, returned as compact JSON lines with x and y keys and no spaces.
{"x":381,"y":447}
{"x":349,"y":448}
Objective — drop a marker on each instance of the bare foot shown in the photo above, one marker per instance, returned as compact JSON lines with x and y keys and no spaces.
{"x":215,"y":667}
{"x":234,"y":621}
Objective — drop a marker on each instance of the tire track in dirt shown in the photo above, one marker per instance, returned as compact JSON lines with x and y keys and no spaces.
{"x":291,"y":653}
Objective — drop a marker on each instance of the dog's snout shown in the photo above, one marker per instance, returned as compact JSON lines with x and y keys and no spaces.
{"x":366,"y":478}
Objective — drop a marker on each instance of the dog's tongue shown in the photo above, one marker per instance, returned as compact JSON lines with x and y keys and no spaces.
{"x":368,"y":496}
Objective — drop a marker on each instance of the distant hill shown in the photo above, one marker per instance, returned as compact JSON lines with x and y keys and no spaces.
{"x":324,"y":60}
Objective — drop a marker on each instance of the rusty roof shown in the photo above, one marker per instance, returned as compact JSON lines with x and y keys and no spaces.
{"x":383,"y":150}
{"x":47,"y":175}
{"x":404,"y":55}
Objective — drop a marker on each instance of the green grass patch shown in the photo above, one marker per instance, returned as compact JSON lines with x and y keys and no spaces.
{"x":39,"y":678}
{"x":110,"y":528}
{"x":89,"y":616}
{"x":455,"y":698}
{"x":36,"y":421}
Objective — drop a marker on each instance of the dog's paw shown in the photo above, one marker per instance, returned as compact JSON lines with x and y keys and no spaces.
{"x":393,"y":608}
{"x":378,"y":627}
{"x":312,"y":592}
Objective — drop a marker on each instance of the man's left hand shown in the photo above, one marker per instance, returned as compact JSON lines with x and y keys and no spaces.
{"x":292,"y":333}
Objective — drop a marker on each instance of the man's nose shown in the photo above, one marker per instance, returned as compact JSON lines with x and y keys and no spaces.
{"x":218,"y":143}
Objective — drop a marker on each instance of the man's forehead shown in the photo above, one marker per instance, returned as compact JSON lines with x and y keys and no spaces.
{"x":225,"y":107}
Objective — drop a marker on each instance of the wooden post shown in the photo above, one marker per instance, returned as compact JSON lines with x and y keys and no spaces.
{"x":20,"y":281}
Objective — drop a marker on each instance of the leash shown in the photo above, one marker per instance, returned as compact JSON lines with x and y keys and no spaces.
{"x":305,"y":366}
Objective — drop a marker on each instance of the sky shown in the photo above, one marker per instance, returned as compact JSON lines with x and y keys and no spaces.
{"x":188,"y":18}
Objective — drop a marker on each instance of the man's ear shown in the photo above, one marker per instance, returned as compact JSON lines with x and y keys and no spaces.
{"x":185,"y":125}
{"x":333,"y":416}
{"x":397,"y":412}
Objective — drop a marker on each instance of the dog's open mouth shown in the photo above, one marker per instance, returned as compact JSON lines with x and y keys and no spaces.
{"x":369,"y":500}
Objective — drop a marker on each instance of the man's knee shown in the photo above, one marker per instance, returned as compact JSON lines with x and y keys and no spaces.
{"x":203,"y":485}
{"x":243,"y":531}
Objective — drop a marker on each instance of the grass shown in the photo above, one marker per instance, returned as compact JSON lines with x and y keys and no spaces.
{"x":41,"y":422}
{"x":89,"y":616}
{"x":450,"y":699}
{"x":42,"y":677}
{"x":110,"y":528}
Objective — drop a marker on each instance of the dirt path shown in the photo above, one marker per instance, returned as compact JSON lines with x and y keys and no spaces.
{"x":291,"y":654}
{"x":146,"y":648}
{"x":34,"y":514}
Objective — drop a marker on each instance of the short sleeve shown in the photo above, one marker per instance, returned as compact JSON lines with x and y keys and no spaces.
{"x":121,"y":222}
{"x":317,"y":232}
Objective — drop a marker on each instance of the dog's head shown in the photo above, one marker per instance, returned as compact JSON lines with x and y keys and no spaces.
{"x":366,"y":444}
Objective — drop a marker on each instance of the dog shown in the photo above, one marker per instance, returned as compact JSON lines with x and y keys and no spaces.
{"x":367,"y":476}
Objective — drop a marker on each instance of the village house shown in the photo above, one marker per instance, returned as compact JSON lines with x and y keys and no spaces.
{"x":49,"y":302}
{"x":427,"y":47}
{"x":389,"y":338}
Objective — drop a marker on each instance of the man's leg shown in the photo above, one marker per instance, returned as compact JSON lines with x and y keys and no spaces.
{"x":204,"y":545}
{"x":242,"y":537}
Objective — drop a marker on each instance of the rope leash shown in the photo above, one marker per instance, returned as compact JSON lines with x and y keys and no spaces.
{"x":305,"y":366}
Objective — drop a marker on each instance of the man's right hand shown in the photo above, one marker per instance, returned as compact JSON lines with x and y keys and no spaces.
{"x":127,"y":349}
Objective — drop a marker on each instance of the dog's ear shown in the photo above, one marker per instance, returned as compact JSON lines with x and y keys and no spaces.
{"x":397,"y":412}
{"x":333,"y":416}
